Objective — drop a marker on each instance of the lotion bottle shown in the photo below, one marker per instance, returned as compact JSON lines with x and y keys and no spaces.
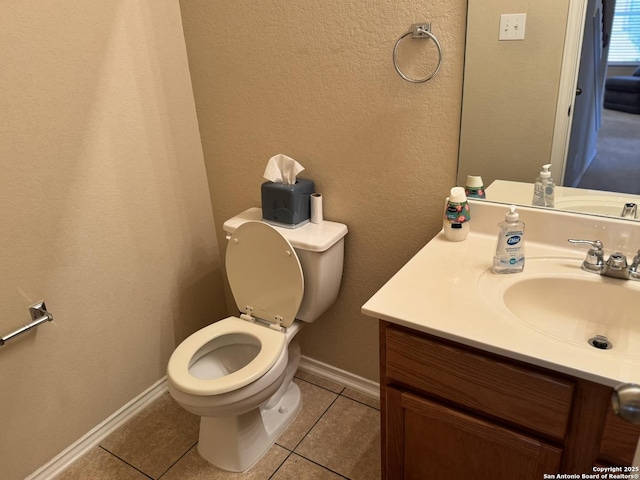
{"x":456,"y":216}
{"x":509,"y":257}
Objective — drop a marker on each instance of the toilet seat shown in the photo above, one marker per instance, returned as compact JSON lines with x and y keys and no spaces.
{"x":267,"y":283}
{"x":271,"y":343}
{"x":264,"y":274}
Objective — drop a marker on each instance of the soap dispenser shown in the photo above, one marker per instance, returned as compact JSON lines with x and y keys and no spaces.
{"x":544,"y":188}
{"x":509,"y":257}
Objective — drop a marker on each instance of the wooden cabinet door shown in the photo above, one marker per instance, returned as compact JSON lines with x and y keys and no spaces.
{"x":618,"y":441}
{"x":426,"y":440}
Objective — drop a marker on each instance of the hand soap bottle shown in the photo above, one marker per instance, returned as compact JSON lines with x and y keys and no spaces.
{"x":509,"y":257}
{"x":456,"y":216}
{"x":544,"y":188}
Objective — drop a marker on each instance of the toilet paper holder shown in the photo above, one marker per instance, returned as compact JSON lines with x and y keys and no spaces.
{"x":39,"y":315}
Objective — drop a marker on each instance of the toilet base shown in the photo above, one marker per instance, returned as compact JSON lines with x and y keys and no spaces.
{"x":236,"y":443}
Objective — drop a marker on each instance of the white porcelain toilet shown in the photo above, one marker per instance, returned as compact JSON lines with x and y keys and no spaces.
{"x":236,"y":374}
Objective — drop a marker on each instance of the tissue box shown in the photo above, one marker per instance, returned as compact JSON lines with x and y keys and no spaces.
{"x":288,"y":205}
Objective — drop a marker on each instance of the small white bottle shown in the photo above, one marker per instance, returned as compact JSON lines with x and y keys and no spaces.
{"x":509,"y":257}
{"x":456,"y":215}
{"x":544,"y":188}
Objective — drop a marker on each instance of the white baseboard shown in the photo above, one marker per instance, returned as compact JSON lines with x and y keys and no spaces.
{"x":93,"y":438}
{"x":72,"y":453}
{"x":355,"y":382}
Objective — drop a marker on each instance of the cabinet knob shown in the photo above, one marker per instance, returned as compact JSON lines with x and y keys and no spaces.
{"x":625,"y":401}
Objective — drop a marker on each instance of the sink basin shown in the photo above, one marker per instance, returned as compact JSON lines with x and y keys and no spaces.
{"x":556,"y":298}
{"x":566,"y":198}
{"x":599,"y":205}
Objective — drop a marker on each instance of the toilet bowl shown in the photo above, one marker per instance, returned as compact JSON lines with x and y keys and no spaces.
{"x":236,"y":374}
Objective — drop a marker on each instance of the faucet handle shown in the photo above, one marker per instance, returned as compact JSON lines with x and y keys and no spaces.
{"x":595,"y":256}
{"x":617,"y":261}
{"x":597,"y":244}
{"x":629,"y":210}
{"x":634,"y":268}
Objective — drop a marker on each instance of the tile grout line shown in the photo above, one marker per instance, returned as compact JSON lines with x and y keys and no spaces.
{"x":293,"y":451}
{"x":289,"y":453}
{"x":126,"y":463}
{"x":341,"y":393}
{"x":361,"y":403}
{"x":312,"y":427}
{"x":180,"y":458}
{"x":337,"y":394}
{"x":312,"y":461}
{"x":315,"y":423}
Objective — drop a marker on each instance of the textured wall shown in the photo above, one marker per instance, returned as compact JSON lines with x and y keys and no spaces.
{"x":315,"y":81}
{"x":105,"y":214}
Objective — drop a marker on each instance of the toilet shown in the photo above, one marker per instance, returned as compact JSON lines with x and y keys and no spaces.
{"x":236,"y":374}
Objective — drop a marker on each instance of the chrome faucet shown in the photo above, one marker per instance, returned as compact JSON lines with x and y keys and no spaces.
{"x":630,"y":210}
{"x":634,"y":268}
{"x":616,"y":265}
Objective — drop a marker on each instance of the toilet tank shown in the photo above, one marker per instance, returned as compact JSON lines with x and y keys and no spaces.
{"x":320,"y":248}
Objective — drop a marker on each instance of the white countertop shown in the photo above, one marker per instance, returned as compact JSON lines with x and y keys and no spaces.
{"x":437,"y":291}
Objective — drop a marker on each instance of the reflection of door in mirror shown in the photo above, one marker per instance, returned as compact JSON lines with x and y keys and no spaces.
{"x":614,"y":152}
{"x":589,"y":93}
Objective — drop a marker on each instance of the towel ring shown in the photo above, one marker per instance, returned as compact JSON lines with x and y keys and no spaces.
{"x":418,"y":30}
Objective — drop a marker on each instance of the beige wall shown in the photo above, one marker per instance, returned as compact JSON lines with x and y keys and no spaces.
{"x":615,"y":70}
{"x":510,"y":90}
{"x":105,"y":211}
{"x":315,"y":81}
{"x":105,"y":214}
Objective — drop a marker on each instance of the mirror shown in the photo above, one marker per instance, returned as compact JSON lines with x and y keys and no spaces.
{"x":511,"y":96}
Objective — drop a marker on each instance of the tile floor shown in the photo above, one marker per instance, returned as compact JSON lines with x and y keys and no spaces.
{"x":336,"y":435}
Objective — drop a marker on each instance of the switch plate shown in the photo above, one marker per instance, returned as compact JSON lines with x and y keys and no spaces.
{"x":512,"y":26}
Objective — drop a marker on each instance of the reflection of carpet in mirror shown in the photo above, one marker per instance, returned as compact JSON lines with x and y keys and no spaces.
{"x":616,"y":166}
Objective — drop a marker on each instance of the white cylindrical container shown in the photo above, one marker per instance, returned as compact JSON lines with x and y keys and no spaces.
{"x":456,"y":216}
{"x":475,"y":187}
{"x":316,"y":208}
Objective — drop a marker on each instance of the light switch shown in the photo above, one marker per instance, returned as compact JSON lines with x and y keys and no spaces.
{"x":512,"y":26}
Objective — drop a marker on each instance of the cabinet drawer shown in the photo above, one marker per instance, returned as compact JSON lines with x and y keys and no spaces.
{"x":518,"y":395}
{"x":440,"y":443}
{"x":619,"y":440}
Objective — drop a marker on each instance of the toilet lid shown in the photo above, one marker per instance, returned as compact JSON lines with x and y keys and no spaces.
{"x":264,"y":273}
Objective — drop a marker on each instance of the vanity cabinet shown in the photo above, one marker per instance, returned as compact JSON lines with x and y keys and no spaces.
{"x":454,"y":412}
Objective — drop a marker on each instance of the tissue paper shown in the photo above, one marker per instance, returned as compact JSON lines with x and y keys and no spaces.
{"x":282,"y":169}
